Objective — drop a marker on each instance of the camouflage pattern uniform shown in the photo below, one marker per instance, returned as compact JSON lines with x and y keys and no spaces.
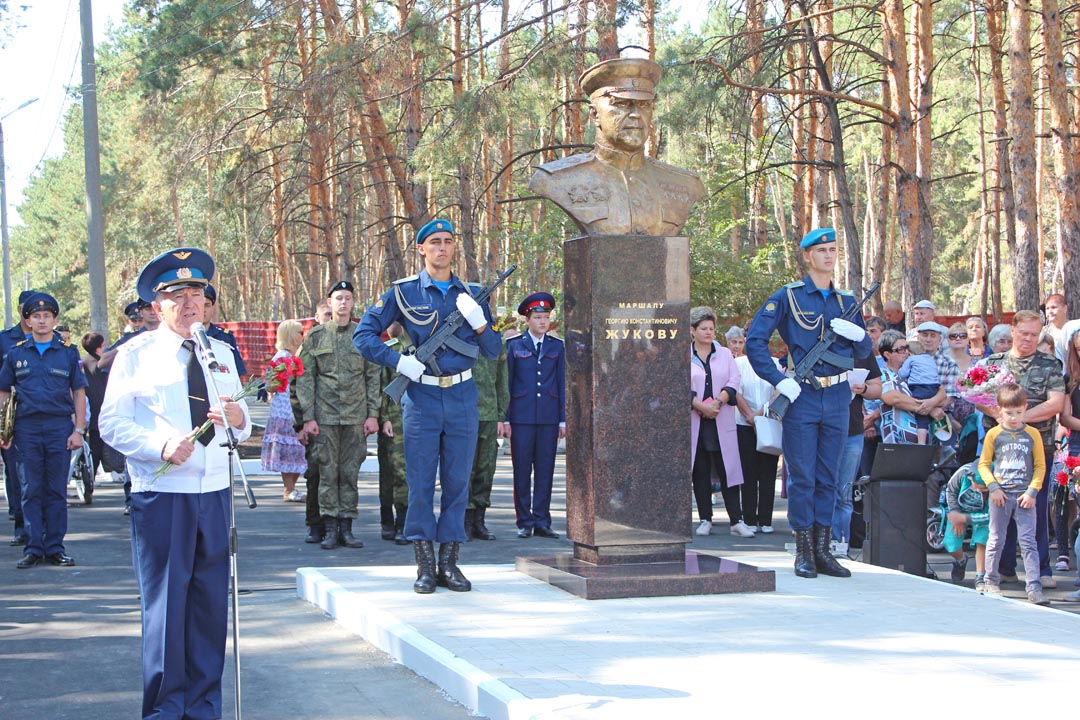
{"x":393,"y":490}
{"x":493,"y":392}
{"x":312,"y":518}
{"x":339,"y":390}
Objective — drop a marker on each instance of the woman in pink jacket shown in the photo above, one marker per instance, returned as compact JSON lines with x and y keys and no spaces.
{"x":714,"y":449}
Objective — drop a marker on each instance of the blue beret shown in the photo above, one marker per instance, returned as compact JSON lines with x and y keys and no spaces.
{"x":817,"y":237}
{"x":210,"y":293}
{"x":40,"y":301}
{"x":537,"y":302}
{"x":131,"y":310}
{"x":180,"y":267}
{"x":433,"y":227}
{"x":340,"y":285}
{"x":26,"y":295}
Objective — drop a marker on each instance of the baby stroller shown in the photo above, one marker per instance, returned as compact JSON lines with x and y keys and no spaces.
{"x":81,"y":473}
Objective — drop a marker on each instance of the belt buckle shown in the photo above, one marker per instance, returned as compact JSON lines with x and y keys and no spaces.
{"x":446,"y":381}
{"x":825,"y":381}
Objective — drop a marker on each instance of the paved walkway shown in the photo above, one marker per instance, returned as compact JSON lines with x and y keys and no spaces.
{"x":69,"y":638}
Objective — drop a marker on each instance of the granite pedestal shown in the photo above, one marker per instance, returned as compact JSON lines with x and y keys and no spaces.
{"x":626,"y":309}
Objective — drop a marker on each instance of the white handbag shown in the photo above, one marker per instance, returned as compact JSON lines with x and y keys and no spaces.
{"x":769,"y":432}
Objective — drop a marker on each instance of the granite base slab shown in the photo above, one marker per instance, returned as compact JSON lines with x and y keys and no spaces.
{"x":697,"y":574}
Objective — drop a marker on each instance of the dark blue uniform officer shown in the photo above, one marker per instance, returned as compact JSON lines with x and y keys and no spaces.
{"x":9,"y":338}
{"x":50,"y":386}
{"x":219,"y":333}
{"x":815,"y":425}
{"x":439,"y":413}
{"x":536,"y":415}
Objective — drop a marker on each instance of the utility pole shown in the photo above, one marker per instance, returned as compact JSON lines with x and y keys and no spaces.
{"x":95,"y":225}
{"x":3,"y":216}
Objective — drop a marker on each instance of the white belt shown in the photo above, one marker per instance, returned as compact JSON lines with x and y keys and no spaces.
{"x":445,"y":381}
{"x":831,"y":380}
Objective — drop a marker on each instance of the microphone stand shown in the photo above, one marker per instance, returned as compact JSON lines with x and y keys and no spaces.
{"x":230,"y":442}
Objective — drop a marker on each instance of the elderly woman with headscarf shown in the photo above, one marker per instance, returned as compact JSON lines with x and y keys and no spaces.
{"x":714,"y":447}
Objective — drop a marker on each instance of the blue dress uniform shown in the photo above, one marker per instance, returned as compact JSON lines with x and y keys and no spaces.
{"x":44,"y":379}
{"x":439,"y":420}
{"x":536,"y":369}
{"x":815,"y":425}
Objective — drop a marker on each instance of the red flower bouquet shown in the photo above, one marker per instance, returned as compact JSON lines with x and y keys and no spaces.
{"x":980,"y":384}
{"x":279,"y":376}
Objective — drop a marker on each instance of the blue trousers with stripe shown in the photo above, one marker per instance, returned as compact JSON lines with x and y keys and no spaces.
{"x":180,"y":549}
{"x":815,"y":430}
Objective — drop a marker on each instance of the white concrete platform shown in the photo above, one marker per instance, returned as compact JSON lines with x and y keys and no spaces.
{"x":881,"y":644}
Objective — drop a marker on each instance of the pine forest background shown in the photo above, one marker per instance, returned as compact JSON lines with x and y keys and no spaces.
{"x":303,"y":141}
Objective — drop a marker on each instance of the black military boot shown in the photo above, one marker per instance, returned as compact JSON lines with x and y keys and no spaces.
{"x":345,"y":536}
{"x":386,"y":522}
{"x":804,"y":554}
{"x":823,"y":558}
{"x":425,"y":567}
{"x":330,"y":540}
{"x":315,"y":534}
{"x":469,"y":515}
{"x":449,"y":573}
{"x":480,"y":531}
{"x":399,"y":527}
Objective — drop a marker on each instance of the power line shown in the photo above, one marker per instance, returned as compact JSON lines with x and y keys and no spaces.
{"x":61,"y":113}
{"x":178,"y":35}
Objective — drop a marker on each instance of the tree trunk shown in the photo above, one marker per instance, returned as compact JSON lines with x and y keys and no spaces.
{"x":1026,"y":272}
{"x":1064,"y":152}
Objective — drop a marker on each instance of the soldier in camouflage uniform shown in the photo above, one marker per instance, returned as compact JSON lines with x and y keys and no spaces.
{"x":393,"y":490}
{"x":1040,"y":375}
{"x":339,"y":404}
{"x":493,"y":392}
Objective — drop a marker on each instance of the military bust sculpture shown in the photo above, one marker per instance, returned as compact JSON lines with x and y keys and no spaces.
{"x":616,"y":190}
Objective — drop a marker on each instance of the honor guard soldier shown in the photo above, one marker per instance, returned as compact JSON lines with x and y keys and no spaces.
{"x":439,"y":413}
{"x":47,"y":377}
{"x":219,"y":333}
{"x":536,"y":415}
{"x":339,"y":403}
{"x":157,"y":394}
{"x":815,"y":426}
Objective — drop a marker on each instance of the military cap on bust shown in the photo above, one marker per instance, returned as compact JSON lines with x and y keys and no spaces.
{"x":181,"y":267}
{"x":26,"y":295}
{"x":433,"y":227}
{"x":629,"y":78}
{"x":131,"y":310}
{"x":340,"y":285}
{"x":40,"y":301}
{"x":818,"y":237}
{"x":210,"y":293}
{"x":537,"y":302}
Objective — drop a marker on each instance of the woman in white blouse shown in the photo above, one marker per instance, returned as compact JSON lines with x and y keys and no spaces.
{"x":759,"y":469}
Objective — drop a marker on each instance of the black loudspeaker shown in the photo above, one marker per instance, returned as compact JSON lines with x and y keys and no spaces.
{"x":895,"y":507}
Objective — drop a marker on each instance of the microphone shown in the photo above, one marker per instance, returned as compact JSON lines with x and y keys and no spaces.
{"x":199,"y":333}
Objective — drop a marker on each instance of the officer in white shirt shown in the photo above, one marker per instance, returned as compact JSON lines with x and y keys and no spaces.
{"x":157,"y":395}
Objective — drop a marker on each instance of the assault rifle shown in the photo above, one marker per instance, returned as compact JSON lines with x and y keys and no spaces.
{"x":804,"y":371}
{"x":444,"y":336}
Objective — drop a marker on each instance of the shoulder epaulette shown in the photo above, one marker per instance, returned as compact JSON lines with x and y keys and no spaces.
{"x":672,"y":168}
{"x":796,"y":284}
{"x":21,"y":342}
{"x":567,"y":163}
{"x":847,"y":293}
{"x":406,"y":279}
{"x":226,"y":331}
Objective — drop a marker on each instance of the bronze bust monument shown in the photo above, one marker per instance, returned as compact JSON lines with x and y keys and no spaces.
{"x":616,"y":189}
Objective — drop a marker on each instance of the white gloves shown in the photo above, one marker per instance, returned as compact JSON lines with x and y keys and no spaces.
{"x":473,"y":313}
{"x":410,"y":367}
{"x":847,"y":329}
{"x":789,"y":388}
